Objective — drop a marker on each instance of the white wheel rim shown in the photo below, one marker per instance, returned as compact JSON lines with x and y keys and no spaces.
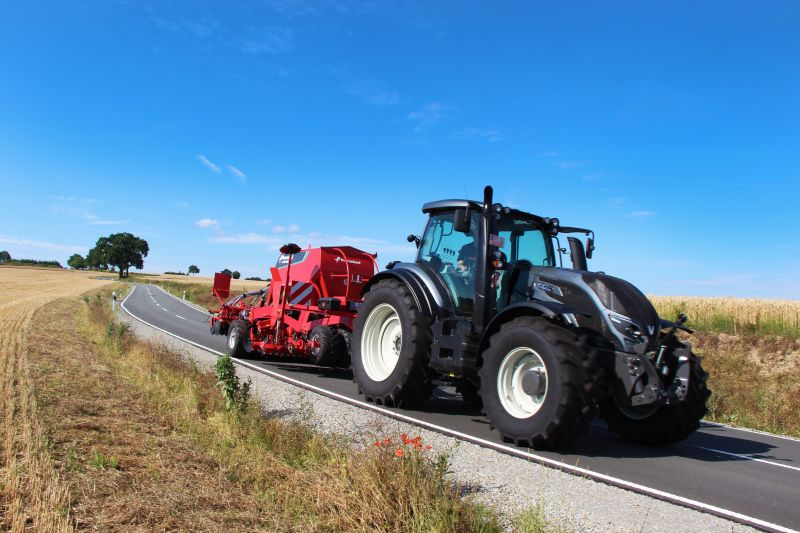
{"x":231,"y":340}
{"x":515,"y":365}
{"x":381,"y":342}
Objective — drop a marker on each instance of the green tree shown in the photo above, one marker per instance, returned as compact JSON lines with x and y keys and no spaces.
{"x":235,"y":274}
{"x":4,"y":256}
{"x":76,"y":262}
{"x":121,"y":250}
{"x":193,"y":270}
{"x":226,"y":271}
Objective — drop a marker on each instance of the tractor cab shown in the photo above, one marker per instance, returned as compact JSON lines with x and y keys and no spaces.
{"x":453,"y":248}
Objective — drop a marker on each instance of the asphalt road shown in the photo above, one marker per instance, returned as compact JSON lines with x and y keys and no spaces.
{"x":749,"y":477}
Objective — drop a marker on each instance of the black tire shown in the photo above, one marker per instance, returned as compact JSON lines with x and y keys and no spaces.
{"x":409,"y":382}
{"x":470,"y":393}
{"x":326,"y":351}
{"x":216,"y":327}
{"x":568,"y":401}
{"x":666,"y":424}
{"x":239,"y":339}
{"x":343,"y":340}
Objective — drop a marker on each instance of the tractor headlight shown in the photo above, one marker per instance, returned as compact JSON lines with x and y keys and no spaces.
{"x":625,"y":326}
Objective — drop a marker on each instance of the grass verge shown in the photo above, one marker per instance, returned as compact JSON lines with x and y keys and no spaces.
{"x":143,"y":439}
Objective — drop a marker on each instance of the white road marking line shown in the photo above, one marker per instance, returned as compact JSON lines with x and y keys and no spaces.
{"x":744,"y":456}
{"x":546,"y":461}
{"x":179,"y":316}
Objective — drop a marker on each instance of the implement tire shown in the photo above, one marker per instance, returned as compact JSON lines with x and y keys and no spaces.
{"x":239,"y":339}
{"x":391,"y":347}
{"x":325,"y":352}
{"x":538,"y":383}
{"x":662,"y":425}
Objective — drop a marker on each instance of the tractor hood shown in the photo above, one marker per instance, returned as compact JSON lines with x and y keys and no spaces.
{"x":601,"y":302}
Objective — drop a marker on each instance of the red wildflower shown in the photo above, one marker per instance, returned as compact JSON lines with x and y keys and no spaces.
{"x":398,"y":453}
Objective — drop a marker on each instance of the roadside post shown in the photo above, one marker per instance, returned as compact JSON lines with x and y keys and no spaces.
{"x":113,"y":300}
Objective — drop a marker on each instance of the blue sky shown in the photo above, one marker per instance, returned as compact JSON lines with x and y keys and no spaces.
{"x":219,"y":130}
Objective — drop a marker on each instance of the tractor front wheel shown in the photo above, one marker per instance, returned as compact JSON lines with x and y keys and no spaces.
{"x":666,"y":424}
{"x":391,"y":346}
{"x":239,"y":339}
{"x":537,"y":383}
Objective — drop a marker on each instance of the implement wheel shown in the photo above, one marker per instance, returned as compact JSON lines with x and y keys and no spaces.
{"x":324,"y":351}
{"x":391,"y":347}
{"x":537,"y":383}
{"x":239,"y":339}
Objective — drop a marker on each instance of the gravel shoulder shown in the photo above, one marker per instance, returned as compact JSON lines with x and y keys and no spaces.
{"x":507,"y":483}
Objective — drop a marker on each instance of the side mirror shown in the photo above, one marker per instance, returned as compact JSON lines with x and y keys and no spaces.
{"x":416,"y":240}
{"x":461,"y":220}
{"x":589,"y":247}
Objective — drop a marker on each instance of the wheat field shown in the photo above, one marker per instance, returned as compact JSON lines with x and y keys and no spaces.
{"x":733,"y":315}
{"x":32,"y":492}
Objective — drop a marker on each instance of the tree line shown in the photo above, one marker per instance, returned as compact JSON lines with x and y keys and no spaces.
{"x":120,"y":251}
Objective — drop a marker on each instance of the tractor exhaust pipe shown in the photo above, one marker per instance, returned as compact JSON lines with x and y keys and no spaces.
{"x":577,"y":254}
{"x":482,"y":311}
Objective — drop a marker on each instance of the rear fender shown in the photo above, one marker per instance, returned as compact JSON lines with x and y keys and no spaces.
{"x":427,"y":295}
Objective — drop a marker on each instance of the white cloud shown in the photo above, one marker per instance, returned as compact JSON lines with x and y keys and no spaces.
{"x":207,"y":223}
{"x":616,"y":203}
{"x":208,"y":164}
{"x":294,"y":228}
{"x":238,"y":174}
{"x":486,"y":134}
{"x":182,"y":204}
{"x":642,"y":214}
{"x":96,"y":222}
{"x":264,"y":221}
{"x":373,"y":92}
{"x":8,"y":240}
{"x":386,"y":250}
{"x":269,"y":40}
{"x":247,"y":238}
{"x":278,"y":229}
{"x":568,"y":165}
{"x":427,"y":116}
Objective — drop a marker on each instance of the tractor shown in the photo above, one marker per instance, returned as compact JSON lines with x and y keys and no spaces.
{"x":487,"y":307}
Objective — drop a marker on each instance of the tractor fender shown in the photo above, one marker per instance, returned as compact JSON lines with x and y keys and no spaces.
{"x":427,"y":295}
{"x":551,"y":310}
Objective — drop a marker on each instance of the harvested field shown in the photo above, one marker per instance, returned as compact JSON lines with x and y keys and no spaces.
{"x":34,"y":494}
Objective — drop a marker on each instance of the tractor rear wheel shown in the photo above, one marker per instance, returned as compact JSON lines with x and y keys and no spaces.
{"x":666,"y":424}
{"x":537,"y":383}
{"x":324,"y":350}
{"x":391,"y":347}
{"x":239,"y":339}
